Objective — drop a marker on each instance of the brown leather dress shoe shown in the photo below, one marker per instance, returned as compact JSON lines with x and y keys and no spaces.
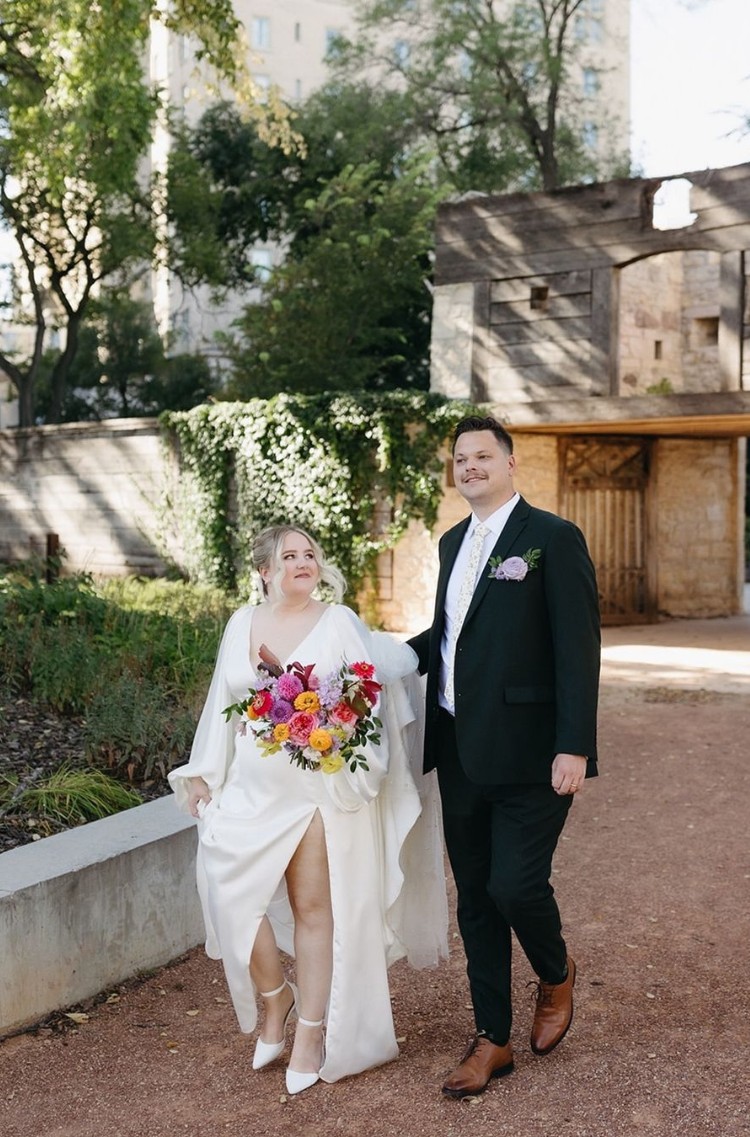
{"x":554,"y":1012}
{"x":482,"y":1061}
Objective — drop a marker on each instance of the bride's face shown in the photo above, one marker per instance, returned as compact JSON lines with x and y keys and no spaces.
{"x":299,"y":569}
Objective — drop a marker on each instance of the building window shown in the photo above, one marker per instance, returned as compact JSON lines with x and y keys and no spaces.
{"x":401,"y":53}
{"x":589,"y":24}
{"x":298,"y":32}
{"x":262,"y":262}
{"x":705,"y":331}
{"x":658,"y":349}
{"x":298,"y":88}
{"x":263,"y":84}
{"x":332,"y":37}
{"x":539,"y":296}
{"x":590,"y":135}
{"x":260,"y":33}
{"x":590,"y":82}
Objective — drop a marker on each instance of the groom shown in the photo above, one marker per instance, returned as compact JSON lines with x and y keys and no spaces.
{"x":512,"y":659}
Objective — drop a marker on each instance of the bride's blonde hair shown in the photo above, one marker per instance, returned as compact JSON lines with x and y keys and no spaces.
{"x":266,"y":553}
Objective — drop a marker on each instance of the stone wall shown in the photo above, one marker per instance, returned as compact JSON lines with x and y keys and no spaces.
{"x":697,"y":542}
{"x":100,"y":487}
{"x":669,"y":324}
{"x":97,"y":486}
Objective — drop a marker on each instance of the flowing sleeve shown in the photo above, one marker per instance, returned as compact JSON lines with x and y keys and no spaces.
{"x":404,"y":807}
{"x":213,"y":744}
{"x":351,"y":789}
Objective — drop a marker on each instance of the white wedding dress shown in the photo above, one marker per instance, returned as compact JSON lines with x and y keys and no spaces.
{"x":382,"y":832}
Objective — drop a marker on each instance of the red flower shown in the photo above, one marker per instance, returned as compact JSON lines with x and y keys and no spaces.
{"x":260,"y":705}
{"x":363,"y":670}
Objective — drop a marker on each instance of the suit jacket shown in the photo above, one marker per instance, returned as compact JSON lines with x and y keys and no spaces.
{"x":527,"y":656}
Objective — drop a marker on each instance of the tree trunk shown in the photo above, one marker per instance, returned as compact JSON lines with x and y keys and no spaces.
{"x":59,"y":378}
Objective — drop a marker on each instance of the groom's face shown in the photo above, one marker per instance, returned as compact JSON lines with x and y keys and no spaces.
{"x":483,"y":471}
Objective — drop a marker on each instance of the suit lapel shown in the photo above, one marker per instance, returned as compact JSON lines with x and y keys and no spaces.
{"x":450,"y":545}
{"x":452,"y":542}
{"x":514,"y":526}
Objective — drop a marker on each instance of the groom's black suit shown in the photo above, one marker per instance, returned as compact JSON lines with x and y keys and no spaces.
{"x":526,"y":679}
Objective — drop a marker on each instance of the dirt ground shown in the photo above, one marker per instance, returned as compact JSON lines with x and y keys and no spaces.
{"x":653,"y":877}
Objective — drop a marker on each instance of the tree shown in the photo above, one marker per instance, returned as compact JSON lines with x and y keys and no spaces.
{"x":76,"y":118}
{"x":228,"y":189}
{"x":121,"y":368}
{"x":353,"y":210}
{"x":351,"y":309}
{"x":488,"y":82}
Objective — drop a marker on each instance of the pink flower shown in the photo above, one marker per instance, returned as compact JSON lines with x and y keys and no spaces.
{"x":288,"y":687}
{"x":343,"y":715}
{"x":301,"y":726}
{"x":514,"y":568}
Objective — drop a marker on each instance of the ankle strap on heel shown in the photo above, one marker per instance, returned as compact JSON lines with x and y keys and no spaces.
{"x":308,"y":1022}
{"x":270,"y":994}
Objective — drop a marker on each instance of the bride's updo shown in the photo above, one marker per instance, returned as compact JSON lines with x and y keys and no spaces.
{"x":266,"y":553}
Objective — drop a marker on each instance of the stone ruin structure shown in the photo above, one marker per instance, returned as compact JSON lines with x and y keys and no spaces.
{"x":618,"y":354}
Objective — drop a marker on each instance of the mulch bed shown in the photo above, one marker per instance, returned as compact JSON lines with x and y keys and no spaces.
{"x":35,"y":742}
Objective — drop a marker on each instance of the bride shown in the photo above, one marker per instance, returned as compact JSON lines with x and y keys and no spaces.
{"x":342,"y":870}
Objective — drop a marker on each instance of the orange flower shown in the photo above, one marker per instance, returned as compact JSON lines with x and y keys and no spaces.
{"x":320,"y":740}
{"x":307,"y":701}
{"x":281,"y":732}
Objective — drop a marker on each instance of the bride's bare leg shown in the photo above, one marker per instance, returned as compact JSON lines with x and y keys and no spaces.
{"x":310,"y":897}
{"x":267,"y":975}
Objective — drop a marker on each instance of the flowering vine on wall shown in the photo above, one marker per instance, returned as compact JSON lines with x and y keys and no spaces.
{"x":330,"y":462}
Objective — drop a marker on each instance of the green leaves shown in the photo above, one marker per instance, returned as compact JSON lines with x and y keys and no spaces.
{"x":354,"y":468}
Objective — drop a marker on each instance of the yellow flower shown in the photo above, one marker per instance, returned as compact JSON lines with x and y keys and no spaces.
{"x":330,"y":763}
{"x":281,"y":732}
{"x":307,"y":701}
{"x":320,"y":740}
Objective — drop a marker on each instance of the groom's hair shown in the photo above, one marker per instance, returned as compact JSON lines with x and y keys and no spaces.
{"x":477,"y":422}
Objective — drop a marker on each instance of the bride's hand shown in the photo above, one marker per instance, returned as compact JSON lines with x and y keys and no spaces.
{"x":199,"y":791}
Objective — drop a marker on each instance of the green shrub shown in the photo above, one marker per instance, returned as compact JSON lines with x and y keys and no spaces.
{"x":133,"y":658}
{"x":72,"y":796}
{"x":137,"y":728}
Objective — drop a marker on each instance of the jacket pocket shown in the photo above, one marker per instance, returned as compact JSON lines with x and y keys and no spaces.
{"x":529,"y":694}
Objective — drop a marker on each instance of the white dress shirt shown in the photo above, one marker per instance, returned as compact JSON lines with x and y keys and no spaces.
{"x":495,"y":523}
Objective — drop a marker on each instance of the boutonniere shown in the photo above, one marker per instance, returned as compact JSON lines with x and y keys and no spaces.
{"x":514,"y":568}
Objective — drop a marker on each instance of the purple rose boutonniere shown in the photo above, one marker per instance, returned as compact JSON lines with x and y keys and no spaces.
{"x":514,"y":568}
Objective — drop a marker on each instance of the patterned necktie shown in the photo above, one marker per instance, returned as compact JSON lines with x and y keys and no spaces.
{"x":464,"y":600}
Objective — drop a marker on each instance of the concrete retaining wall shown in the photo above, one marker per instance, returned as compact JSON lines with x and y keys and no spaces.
{"x":88,"y":908}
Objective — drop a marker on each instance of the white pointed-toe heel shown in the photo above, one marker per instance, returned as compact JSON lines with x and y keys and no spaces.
{"x":296,"y":1081}
{"x":266,"y":1052}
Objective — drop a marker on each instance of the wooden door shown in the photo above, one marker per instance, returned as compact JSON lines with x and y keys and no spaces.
{"x":604,"y":483}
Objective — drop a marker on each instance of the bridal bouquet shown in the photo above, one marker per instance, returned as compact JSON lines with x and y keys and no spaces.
{"x":320,"y":723}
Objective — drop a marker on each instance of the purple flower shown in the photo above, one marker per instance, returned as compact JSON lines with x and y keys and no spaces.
{"x":331,"y":689}
{"x":514,"y":568}
{"x":281,"y":711}
{"x":289,"y":686}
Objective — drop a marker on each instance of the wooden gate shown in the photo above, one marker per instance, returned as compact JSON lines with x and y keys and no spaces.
{"x":604,"y":483}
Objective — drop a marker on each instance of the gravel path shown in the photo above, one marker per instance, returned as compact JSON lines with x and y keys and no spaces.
{"x":653,"y":876}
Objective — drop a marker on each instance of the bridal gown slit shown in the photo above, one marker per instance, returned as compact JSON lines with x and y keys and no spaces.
{"x":260,"y":809}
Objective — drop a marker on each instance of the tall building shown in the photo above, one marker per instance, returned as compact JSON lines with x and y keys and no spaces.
{"x":287,"y":42}
{"x":287,"y":45}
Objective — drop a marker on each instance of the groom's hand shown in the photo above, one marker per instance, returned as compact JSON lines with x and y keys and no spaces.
{"x":568,"y":773}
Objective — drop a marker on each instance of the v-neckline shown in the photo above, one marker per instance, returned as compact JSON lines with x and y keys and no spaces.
{"x":293,"y":653}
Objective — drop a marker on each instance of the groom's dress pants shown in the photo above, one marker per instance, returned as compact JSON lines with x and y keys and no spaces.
{"x":500,"y":842}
